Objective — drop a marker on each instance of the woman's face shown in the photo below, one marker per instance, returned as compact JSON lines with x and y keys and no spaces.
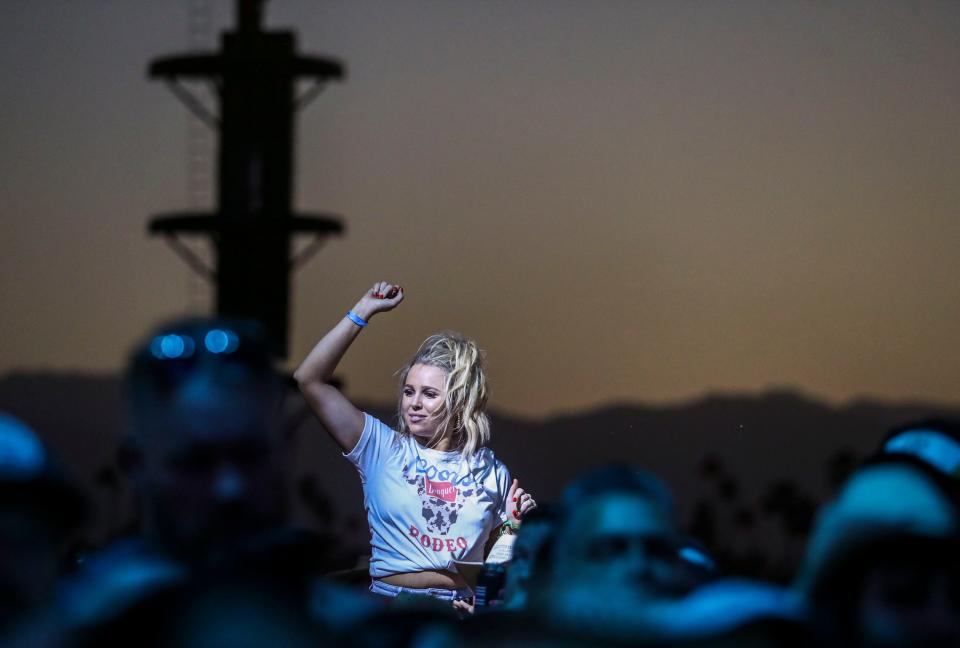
{"x":422,"y":400}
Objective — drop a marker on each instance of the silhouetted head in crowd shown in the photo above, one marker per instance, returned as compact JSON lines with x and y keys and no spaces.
{"x":910,"y":590}
{"x":614,"y":552}
{"x":211,"y":614}
{"x":537,"y":528}
{"x":616,"y":526}
{"x":40,"y":508}
{"x":881,"y":564}
{"x":205,"y":448}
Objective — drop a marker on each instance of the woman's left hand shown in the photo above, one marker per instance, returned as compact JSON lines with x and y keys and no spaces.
{"x":519,"y":503}
{"x":465,"y":608}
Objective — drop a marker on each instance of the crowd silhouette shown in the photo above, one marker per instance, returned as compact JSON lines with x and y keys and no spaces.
{"x":213,"y":559}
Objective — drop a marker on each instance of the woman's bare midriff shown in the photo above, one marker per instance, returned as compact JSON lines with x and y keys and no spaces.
{"x":425,"y":579}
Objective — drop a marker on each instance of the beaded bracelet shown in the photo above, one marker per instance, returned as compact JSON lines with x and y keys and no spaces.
{"x":508,"y":526}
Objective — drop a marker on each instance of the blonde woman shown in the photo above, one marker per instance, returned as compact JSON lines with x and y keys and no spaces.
{"x":434,"y":494}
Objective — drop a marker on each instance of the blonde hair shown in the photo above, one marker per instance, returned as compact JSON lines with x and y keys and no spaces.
{"x":465,"y":400}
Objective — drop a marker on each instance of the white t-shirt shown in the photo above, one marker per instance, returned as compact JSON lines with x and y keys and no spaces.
{"x":426,"y":508}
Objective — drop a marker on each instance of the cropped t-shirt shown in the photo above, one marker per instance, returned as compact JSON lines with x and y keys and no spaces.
{"x":426,"y":508}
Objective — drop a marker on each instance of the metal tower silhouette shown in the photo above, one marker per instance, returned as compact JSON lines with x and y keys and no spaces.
{"x":255,"y":76}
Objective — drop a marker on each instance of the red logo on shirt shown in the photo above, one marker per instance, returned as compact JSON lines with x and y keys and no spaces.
{"x":441,"y":490}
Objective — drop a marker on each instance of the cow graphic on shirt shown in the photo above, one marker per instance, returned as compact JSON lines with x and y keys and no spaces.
{"x":442,"y":493}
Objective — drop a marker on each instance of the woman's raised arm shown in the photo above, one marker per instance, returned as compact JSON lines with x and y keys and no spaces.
{"x":336,"y":413}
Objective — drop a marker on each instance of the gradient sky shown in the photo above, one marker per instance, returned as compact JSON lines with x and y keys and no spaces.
{"x":621,"y":201}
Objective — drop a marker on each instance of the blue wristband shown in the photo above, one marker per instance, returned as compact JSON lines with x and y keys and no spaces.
{"x":356,"y":319}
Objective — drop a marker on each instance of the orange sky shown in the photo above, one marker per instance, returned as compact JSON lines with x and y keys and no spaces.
{"x":619,"y":200}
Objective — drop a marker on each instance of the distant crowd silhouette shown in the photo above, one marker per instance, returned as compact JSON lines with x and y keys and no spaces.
{"x":213,"y":559}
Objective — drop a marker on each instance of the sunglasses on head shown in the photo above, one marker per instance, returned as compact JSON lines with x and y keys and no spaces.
{"x":170,"y":357}
{"x":181,"y":346}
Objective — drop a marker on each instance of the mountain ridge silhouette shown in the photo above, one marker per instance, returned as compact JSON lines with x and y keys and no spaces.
{"x":781,"y":435}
